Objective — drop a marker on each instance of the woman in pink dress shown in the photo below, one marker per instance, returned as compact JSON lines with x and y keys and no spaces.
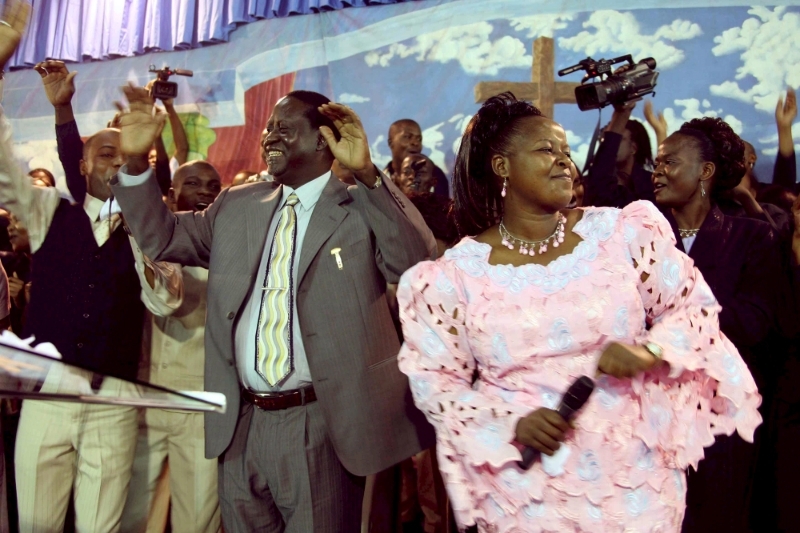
{"x":500,"y":326}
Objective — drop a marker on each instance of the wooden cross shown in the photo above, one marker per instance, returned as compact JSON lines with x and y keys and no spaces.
{"x":543,"y":90}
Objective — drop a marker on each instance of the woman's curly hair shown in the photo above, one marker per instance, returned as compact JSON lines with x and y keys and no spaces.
{"x":718,"y":144}
{"x":477,"y":201}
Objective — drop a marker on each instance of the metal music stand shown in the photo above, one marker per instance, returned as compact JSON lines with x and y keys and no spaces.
{"x":29,"y":373}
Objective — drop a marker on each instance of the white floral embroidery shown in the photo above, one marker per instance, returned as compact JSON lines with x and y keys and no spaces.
{"x":501,"y":274}
{"x":636,"y":502}
{"x":550,"y":398}
{"x":731,"y":366}
{"x":600,"y":223}
{"x":496,"y":507}
{"x":421,"y":388}
{"x":644,"y":460}
{"x":500,"y":349}
{"x":594,"y":512}
{"x":621,"y":323}
{"x":607,"y":397}
{"x":513,"y":480}
{"x":589,"y":466}
{"x":443,"y":284}
{"x":432,"y":345}
{"x":629,"y":233}
{"x":670,"y":273}
{"x":658,"y":417}
{"x":534,"y":510}
{"x":679,"y":340}
{"x":489,"y":436}
{"x":560,"y":337}
{"x":597,"y":224}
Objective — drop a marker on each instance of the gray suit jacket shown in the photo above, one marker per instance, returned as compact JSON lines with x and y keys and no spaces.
{"x":349,"y":337}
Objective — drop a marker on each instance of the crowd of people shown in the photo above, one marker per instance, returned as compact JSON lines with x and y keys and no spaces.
{"x":388,"y":341}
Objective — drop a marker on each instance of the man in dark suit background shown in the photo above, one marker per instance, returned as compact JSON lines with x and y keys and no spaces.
{"x":299,"y":336}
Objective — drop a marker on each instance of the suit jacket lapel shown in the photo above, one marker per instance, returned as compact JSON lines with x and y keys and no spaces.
{"x":259,"y":214}
{"x":325,"y":219}
{"x":708,"y":240}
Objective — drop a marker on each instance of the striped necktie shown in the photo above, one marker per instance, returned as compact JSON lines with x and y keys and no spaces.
{"x":274,"y":334}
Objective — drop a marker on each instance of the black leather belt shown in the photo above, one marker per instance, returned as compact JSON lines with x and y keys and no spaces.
{"x":275,"y":401}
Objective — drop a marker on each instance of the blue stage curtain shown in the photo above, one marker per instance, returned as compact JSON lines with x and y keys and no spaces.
{"x":85,"y":30}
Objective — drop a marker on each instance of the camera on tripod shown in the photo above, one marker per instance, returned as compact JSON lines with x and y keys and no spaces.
{"x":636,"y":81}
{"x":163,"y":89}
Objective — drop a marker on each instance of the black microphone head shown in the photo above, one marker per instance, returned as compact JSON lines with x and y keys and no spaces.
{"x":578,"y":393}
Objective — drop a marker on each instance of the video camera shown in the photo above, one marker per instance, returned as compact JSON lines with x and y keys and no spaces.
{"x":638,"y":80}
{"x":164,"y":89}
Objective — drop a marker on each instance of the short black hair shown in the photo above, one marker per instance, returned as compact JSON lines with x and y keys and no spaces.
{"x":402,"y":122}
{"x":195,"y":163}
{"x":718,"y":143}
{"x":312,"y":101}
{"x":91,"y":140}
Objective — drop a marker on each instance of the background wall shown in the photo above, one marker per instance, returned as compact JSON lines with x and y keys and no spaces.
{"x":422,"y":60}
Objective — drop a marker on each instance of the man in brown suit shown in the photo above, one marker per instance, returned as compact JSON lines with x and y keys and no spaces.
{"x":293,"y":450}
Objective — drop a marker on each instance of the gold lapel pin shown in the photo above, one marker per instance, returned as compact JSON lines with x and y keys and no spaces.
{"x":335,"y":252}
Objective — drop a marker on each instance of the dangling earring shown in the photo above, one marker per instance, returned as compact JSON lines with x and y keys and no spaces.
{"x":505,"y":184}
{"x":702,"y":190}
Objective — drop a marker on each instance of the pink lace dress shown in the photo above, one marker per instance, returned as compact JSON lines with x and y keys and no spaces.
{"x":530,"y":331}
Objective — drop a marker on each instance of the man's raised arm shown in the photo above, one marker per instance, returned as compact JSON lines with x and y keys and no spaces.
{"x":402,"y":237}
{"x":183,"y":238}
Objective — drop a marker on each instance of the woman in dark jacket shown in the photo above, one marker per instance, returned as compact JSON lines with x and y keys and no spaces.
{"x":620,"y":173}
{"x":741,"y":261}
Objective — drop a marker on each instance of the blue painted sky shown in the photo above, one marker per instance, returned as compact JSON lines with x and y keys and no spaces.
{"x":436,"y":93}
{"x":422,"y":60}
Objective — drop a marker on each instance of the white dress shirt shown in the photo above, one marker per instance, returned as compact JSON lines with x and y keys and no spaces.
{"x":247,"y":325}
{"x":245,"y":334}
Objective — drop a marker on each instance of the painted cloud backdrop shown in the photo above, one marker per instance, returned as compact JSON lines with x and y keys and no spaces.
{"x":422,"y":60}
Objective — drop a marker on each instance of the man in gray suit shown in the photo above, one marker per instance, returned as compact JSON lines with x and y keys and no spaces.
{"x":299,"y":337}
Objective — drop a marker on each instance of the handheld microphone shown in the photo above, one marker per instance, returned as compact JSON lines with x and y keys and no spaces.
{"x":571,"y":402}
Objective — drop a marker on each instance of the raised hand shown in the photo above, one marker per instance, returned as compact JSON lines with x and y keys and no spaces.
{"x":352,"y":149}
{"x":139,"y":125}
{"x":58,"y":81}
{"x":14,"y":20}
{"x":656,"y":121}
{"x":786,"y":110}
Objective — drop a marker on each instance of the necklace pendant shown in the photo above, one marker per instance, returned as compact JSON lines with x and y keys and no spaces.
{"x":542,"y":249}
{"x":522,"y":249}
